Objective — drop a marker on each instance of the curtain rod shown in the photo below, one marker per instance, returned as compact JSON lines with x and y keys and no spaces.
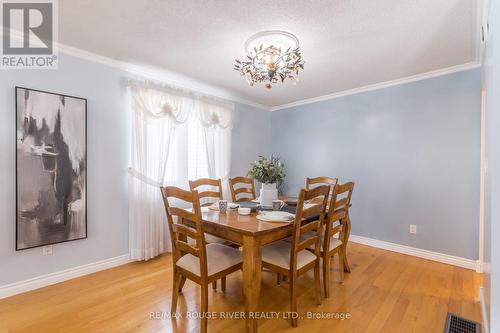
{"x":168,"y":88}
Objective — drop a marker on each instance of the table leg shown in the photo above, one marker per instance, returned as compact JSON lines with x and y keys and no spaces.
{"x":252,"y":263}
{"x":347,"y":228}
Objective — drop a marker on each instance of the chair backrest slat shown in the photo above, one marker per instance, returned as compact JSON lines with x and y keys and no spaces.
{"x":341,"y":203}
{"x":186,"y":247}
{"x":213,"y":194}
{"x":334,"y":230}
{"x":311,"y":226}
{"x":243,"y":190}
{"x":307,"y":243}
{"x":185,"y":230}
{"x":179,"y":232}
{"x":209,"y":194}
{"x":181,"y":213}
{"x":320,"y":181}
{"x":237,"y":192}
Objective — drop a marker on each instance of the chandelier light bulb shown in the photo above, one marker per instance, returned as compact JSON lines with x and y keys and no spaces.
{"x":269,"y":58}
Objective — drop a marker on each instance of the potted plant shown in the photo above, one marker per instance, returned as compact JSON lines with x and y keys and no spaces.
{"x":269,"y":172}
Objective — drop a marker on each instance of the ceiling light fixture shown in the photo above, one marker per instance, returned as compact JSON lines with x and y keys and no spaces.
{"x":272,"y":56}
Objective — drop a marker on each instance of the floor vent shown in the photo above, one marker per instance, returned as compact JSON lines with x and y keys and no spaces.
{"x":456,"y":324}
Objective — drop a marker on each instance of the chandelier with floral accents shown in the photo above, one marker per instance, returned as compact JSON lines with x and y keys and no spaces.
{"x":272,"y":56}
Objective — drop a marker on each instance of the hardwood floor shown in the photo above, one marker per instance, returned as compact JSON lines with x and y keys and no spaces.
{"x":386,"y":292}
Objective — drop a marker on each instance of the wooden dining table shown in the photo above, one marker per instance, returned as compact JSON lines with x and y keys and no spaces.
{"x":252,"y":234}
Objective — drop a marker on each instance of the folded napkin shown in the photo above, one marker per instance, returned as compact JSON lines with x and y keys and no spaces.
{"x":309,"y":205}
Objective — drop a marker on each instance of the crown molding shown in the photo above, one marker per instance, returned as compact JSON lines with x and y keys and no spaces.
{"x":381,"y":85}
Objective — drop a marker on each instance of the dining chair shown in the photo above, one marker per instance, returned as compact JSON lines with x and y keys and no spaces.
{"x":317,"y":181}
{"x":199,"y":262}
{"x":209,"y":191}
{"x":242,"y":189}
{"x":335,"y":234}
{"x":293,"y":259}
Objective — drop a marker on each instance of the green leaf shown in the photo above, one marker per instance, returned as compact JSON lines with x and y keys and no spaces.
{"x":267,"y":170}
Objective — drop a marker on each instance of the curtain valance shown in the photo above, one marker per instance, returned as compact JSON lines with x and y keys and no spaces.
{"x":156,"y":102}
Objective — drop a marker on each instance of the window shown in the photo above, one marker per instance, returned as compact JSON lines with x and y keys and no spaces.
{"x":197,"y":153}
{"x":188,"y":156}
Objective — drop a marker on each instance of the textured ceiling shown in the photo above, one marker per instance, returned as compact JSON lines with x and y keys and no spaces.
{"x":346,"y":43}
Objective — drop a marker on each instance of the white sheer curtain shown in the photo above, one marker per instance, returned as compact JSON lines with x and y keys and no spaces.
{"x":218,"y":143}
{"x":175,"y":136}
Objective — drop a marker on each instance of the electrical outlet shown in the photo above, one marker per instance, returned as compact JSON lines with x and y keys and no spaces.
{"x":47,"y":250}
{"x":413,"y":229}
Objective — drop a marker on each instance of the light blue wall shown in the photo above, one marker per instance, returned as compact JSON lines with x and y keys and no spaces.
{"x":412,"y":150}
{"x":108,"y":145}
{"x":251,"y":137}
{"x":108,"y":156}
{"x":492,"y":199}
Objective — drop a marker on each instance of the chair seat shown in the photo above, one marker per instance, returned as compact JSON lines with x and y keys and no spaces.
{"x":219,"y":257}
{"x":278,"y":254}
{"x":338,"y":214}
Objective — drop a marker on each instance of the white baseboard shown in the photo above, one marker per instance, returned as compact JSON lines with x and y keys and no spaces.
{"x":56,"y":277}
{"x":416,"y":252}
{"x":479,"y":266}
{"x":484,"y":315}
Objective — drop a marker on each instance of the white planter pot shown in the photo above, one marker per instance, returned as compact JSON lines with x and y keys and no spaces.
{"x":268,"y":193}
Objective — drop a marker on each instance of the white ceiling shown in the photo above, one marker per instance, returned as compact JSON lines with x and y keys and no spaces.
{"x":346,"y":44}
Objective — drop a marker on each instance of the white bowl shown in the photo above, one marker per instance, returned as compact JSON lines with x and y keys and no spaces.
{"x":244,"y":211}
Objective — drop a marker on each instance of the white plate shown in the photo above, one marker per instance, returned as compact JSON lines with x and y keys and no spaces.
{"x":276,"y":216}
{"x":262,"y":218}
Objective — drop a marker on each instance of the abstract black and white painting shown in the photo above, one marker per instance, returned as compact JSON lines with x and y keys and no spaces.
{"x":51,"y":161}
